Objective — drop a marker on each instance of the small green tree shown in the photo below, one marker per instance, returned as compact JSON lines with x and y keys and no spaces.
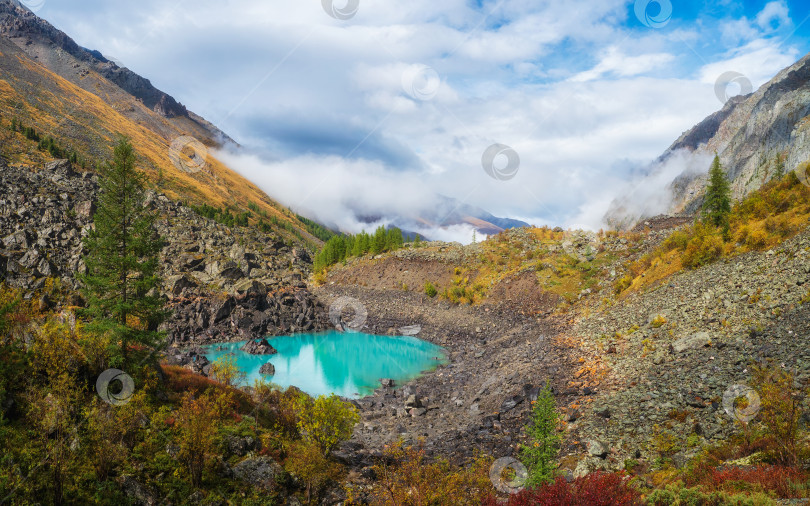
{"x":325,"y":421}
{"x":717,"y":203}
{"x":540,"y":455}
{"x":122,"y":278}
{"x":779,"y":171}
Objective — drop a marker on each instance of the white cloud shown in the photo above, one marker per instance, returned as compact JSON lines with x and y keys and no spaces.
{"x":583,"y":98}
{"x":773,"y":16}
{"x":614,"y":62}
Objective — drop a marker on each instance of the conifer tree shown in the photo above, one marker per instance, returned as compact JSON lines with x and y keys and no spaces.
{"x":122,"y":261}
{"x":717,"y":203}
{"x":540,"y":455}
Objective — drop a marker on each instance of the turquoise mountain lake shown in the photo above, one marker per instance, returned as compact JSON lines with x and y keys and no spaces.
{"x":349,"y":364}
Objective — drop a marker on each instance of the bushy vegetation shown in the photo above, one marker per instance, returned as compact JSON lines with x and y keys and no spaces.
{"x":340,"y":247}
{"x":596,"y":489}
{"x":405,"y":477}
{"x":430,"y":289}
{"x":223,"y":216}
{"x":47,"y":144}
{"x":315,"y":228}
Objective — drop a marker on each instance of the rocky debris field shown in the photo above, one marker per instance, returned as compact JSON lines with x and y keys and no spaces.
{"x":480,"y":400}
{"x":625,"y":372}
{"x":223,"y":284}
{"x":674,"y":350}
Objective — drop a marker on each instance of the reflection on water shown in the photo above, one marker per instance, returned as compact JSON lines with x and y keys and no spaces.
{"x":349,"y":364}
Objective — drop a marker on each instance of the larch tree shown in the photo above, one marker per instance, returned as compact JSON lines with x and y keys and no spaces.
{"x":717,"y":203}
{"x":123,"y":276}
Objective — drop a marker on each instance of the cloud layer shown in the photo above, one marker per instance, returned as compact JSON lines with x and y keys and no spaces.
{"x":380,"y":111}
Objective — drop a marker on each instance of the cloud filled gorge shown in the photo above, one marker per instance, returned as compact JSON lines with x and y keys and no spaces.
{"x":346,"y":195}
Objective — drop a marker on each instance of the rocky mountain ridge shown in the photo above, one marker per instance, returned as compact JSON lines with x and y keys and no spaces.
{"x":754,"y":135}
{"x":21,"y":25}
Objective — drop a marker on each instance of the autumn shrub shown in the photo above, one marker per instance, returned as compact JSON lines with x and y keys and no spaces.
{"x":678,"y":495}
{"x":405,"y":477}
{"x":430,"y":290}
{"x":780,"y":410}
{"x":196,"y":422}
{"x":325,"y":420}
{"x":785,"y":482}
{"x":705,"y":247}
{"x":308,"y":462}
{"x":225,"y":370}
{"x":595,"y":489}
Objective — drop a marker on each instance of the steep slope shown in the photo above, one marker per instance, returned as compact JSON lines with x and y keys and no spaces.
{"x":84,"y":101}
{"x":751,"y":134}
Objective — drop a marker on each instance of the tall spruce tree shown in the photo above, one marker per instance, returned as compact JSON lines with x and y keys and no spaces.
{"x":717,"y":204}
{"x":122,"y":262}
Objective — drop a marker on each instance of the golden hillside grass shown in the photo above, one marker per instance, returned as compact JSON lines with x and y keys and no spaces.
{"x":82,"y":121}
{"x":776,"y":212}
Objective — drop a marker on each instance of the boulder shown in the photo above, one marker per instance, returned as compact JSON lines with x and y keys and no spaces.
{"x":268,"y":369}
{"x":85,"y":209}
{"x":597,"y":448}
{"x":17,"y":240}
{"x":241,"y":446}
{"x":180,"y":283}
{"x":387,"y":382}
{"x":262,"y":472}
{"x":260,"y":347}
{"x":224,"y":310}
{"x":410,"y":330}
{"x":413,"y":401}
{"x":692,"y":342}
{"x":135,"y":491}
{"x":510,"y":403}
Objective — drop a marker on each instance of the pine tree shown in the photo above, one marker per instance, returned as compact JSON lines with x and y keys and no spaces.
{"x":717,"y":204}
{"x":779,"y":171}
{"x":540,"y":455}
{"x":122,"y":262}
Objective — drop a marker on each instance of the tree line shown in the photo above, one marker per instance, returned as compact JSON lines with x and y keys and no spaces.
{"x":340,"y":247}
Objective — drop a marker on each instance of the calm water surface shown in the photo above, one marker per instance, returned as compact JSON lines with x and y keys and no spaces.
{"x":349,"y":364}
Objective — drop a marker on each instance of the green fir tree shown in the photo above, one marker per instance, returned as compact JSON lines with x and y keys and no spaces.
{"x":540,"y":455}
{"x":122,"y":278}
{"x":717,"y":203}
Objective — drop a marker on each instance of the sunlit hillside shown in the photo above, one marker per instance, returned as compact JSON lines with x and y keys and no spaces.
{"x":81,"y":121}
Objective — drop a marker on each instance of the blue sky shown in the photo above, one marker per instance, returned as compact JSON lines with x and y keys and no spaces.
{"x":374,"y":113}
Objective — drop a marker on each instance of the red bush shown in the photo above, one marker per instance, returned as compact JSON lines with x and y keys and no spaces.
{"x":770,"y":478}
{"x":596,"y":489}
